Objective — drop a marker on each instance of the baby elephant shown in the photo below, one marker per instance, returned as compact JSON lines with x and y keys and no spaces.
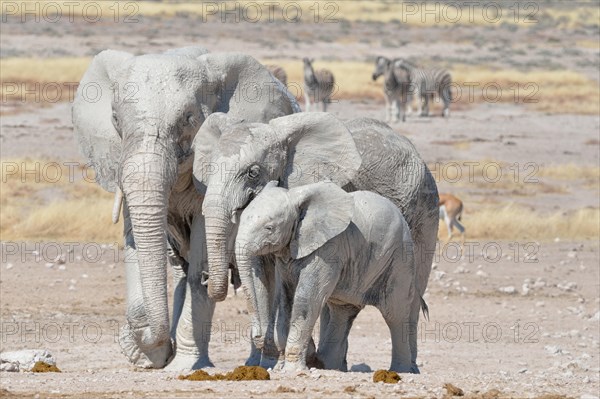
{"x":345,"y":250}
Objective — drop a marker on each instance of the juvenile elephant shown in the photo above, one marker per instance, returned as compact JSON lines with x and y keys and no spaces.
{"x":345,"y":250}
{"x":304,"y":148}
{"x":135,"y":118}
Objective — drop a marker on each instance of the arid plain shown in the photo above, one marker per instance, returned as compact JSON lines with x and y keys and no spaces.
{"x":513,"y":313}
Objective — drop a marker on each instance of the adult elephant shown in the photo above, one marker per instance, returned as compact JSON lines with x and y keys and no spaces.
{"x":135,"y":118}
{"x":363,"y":154}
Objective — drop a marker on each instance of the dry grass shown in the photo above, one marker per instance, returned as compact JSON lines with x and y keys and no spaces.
{"x":352,"y":78}
{"x":51,"y":79}
{"x":512,"y":222}
{"x":548,"y":91}
{"x":47,"y":205}
{"x":404,"y":12}
{"x":571,"y":172}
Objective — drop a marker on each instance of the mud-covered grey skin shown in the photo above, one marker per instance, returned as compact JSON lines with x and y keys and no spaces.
{"x":363,"y":154}
{"x":135,"y":118}
{"x":344,"y":250}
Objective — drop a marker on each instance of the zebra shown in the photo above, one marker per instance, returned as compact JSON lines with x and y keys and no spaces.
{"x":317,"y":84}
{"x":427,"y":83}
{"x":396,"y":86}
{"x":278,"y":72}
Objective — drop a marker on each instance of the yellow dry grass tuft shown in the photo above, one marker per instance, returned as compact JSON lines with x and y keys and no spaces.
{"x":42,"y":200}
{"x":512,"y":222}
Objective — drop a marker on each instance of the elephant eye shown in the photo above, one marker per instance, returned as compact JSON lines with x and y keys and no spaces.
{"x":115,"y":122}
{"x":269,"y":228}
{"x":254,"y":171}
{"x":189,"y":119}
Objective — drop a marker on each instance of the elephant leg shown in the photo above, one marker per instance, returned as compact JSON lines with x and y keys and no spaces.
{"x":307,"y":303}
{"x":397,"y":318}
{"x":270,"y":352}
{"x":285,"y":295}
{"x":425,"y":239}
{"x":179,"y":268}
{"x":194,"y":328}
{"x":132,"y":333}
{"x":333,"y":345}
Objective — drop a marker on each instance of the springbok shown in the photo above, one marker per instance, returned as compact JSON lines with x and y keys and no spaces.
{"x":451,"y":209}
{"x":317,"y":84}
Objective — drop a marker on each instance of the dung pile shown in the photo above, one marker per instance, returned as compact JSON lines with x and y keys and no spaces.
{"x":43,"y":367}
{"x":388,"y":377}
{"x":241,"y":373}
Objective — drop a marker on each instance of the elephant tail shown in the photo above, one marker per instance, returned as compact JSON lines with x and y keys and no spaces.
{"x":424,"y":308}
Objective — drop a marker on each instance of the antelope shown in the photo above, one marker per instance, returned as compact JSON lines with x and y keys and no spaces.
{"x":451,"y":209}
{"x":317,"y":84}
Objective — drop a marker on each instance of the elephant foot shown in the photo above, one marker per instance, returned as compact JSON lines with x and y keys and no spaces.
{"x":312,"y":360}
{"x":268,"y":362}
{"x":253,"y":359}
{"x":293,"y":366}
{"x":183,"y":362}
{"x":413,"y":369}
{"x":154,"y":357}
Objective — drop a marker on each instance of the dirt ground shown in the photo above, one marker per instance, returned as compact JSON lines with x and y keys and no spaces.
{"x":521,"y":316}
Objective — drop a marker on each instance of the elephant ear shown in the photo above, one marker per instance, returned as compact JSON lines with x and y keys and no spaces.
{"x":205,"y":141}
{"x":245,"y":89}
{"x":325,"y":211}
{"x":92,"y":116}
{"x":320,"y":147}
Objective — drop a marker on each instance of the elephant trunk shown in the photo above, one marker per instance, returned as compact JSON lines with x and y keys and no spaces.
{"x":146,"y":189}
{"x":251,"y":274}
{"x":218,"y":229}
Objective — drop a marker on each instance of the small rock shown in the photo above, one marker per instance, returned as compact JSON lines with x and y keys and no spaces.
{"x":62,"y":267}
{"x":508,"y":290}
{"x":553,"y":349}
{"x":9,"y":266}
{"x":523,"y":370}
{"x":481,"y":273}
{"x":49,"y":265}
{"x":60,"y":260}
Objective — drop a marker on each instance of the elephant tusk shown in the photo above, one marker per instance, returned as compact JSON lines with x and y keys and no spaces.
{"x":204,"y":278}
{"x":116,"y":212}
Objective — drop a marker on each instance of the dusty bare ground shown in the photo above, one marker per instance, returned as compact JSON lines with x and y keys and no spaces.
{"x":525,"y":326}
{"x":526,"y":323}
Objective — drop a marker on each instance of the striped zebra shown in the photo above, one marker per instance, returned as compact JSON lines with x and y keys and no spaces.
{"x":427,"y":83}
{"x":278,"y":72}
{"x":396,"y":87}
{"x":318,"y":85}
